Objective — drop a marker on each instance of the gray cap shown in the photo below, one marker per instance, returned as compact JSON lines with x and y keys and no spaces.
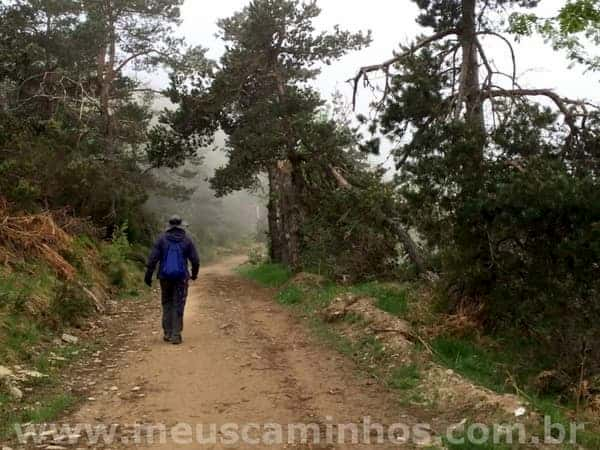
{"x":176,"y":222}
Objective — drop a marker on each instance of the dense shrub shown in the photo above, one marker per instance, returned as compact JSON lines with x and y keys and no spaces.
{"x":528,"y":247}
{"x":115,"y":256}
{"x":345,"y":237}
{"x":70,"y":304}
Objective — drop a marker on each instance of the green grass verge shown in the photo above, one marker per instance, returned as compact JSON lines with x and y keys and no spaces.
{"x":290,"y":295}
{"x":390,"y":298}
{"x":405,"y":377}
{"x":476,"y":363}
{"x":268,"y":275}
{"x":461,"y":442}
{"x":46,"y":409}
{"x":308,"y":300}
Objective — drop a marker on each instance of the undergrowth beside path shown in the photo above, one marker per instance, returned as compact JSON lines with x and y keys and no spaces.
{"x":45,"y":321}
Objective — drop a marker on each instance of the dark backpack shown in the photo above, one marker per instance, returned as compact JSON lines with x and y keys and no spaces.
{"x":173,"y":265}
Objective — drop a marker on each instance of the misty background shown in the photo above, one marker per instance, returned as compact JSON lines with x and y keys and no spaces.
{"x":215,"y":223}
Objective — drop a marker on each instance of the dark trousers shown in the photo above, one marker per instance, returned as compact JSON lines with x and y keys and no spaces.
{"x":174,"y":295}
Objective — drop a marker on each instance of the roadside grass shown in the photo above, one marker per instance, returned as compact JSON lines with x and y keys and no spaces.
{"x":268,"y":275}
{"x":483,"y":366}
{"x":47,"y":400}
{"x":53,"y":359}
{"x":462,"y":442}
{"x":46,"y":409}
{"x":367,"y":352}
{"x":330,"y":337}
{"x":389,"y":297}
{"x":19,"y":336}
{"x":290,"y":295}
{"x":507,"y":367}
{"x":133,"y":286}
{"x":405,"y":377}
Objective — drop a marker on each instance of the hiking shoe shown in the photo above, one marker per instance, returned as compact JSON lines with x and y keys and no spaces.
{"x":176,"y":340}
{"x":167,"y":338}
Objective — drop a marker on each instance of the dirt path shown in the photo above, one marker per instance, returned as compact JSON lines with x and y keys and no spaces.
{"x":245,"y":360}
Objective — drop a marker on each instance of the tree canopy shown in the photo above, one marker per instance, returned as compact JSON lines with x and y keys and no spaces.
{"x":74,"y":119}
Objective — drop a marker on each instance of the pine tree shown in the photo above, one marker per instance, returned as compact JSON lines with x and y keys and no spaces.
{"x":261,"y":99}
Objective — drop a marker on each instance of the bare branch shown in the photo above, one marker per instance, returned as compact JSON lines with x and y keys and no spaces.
{"x":339,"y":178}
{"x":572,"y":110}
{"x":150,"y":91}
{"x":560,"y":102}
{"x":385,"y":66}
{"x":486,"y":63}
{"x":511,"y":49}
{"x":138,"y":55}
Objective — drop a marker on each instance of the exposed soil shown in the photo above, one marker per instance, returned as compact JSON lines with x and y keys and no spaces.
{"x":244,"y":359}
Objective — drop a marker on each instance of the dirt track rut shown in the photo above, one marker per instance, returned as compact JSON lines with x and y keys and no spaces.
{"x":245,"y":360}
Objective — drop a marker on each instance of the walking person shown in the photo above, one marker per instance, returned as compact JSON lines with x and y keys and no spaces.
{"x":172,"y":252}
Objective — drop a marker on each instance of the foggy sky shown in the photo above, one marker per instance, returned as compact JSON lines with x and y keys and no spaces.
{"x":393,"y":22}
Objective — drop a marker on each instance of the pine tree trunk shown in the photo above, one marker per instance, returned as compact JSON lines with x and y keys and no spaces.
{"x":284,"y":216}
{"x":286,"y":190}
{"x":470,"y":88}
{"x":295,"y":216}
{"x":274,"y":214}
{"x":106,"y":71}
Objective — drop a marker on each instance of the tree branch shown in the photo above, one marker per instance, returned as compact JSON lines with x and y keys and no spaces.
{"x":137,"y":55}
{"x":385,"y":66}
{"x":510,"y":47}
{"x":560,"y":102}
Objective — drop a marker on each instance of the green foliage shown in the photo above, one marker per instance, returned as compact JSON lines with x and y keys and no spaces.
{"x":472,"y":361}
{"x":462,"y":442}
{"x":19,"y":335}
{"x":261,"y":97}
{"x":115,"y":256}
{"x":69,"y":135}
{"x":13,"y":297}
{"x":33,"y":305}
{"x":47,"y":410}
{"x":290,"y":295}
{"x":528,"y":245}
{"x":256,"y":255}
{"x":345,"y":233}
{"x":50,"y":410}
{"x":370,"y":351}
{"x":269,"y":275}
{"x":405,"y":377}
{"x":70,"y":304}
{"x":576,"y":26}
{"x":390,"y":298}
{"x":505,"y":202}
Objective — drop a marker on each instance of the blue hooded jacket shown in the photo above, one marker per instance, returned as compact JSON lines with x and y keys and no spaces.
{"x":162,"y":244}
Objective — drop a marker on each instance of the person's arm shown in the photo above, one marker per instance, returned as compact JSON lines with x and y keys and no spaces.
{"x":153,"y":260}
{"x":194,"y":259}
